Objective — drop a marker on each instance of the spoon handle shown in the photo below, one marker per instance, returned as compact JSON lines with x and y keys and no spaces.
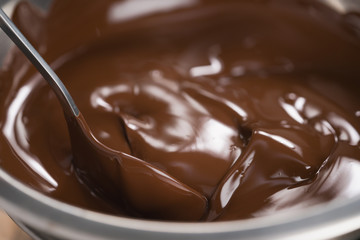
{"x":30,"y":52}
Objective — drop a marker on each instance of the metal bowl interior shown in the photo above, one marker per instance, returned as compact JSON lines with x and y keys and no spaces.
{"x":52,"y":219}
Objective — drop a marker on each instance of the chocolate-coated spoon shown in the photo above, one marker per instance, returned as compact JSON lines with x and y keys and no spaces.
{"x":120,"y":177}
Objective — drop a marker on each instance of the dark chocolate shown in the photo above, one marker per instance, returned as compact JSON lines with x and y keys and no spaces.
{"x":250,"y":106}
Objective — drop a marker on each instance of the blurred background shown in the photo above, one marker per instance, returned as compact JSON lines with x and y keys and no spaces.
{"x":9,"y":230}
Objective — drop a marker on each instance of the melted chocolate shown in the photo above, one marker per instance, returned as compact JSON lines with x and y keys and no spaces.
{"x":251,"y":105}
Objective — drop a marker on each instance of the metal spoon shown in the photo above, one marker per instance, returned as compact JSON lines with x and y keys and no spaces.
{"x":116,"y":175}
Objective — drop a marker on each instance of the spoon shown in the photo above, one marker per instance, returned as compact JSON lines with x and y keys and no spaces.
{"x":119,"y":177}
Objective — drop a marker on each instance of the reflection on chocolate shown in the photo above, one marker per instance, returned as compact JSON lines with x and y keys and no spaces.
{"x":251,"y":105}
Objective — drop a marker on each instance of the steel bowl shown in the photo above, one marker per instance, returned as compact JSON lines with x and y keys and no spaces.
{"x":48,"y":219}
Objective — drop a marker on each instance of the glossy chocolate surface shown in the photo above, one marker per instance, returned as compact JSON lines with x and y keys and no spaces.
{"x":252,"y":107}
